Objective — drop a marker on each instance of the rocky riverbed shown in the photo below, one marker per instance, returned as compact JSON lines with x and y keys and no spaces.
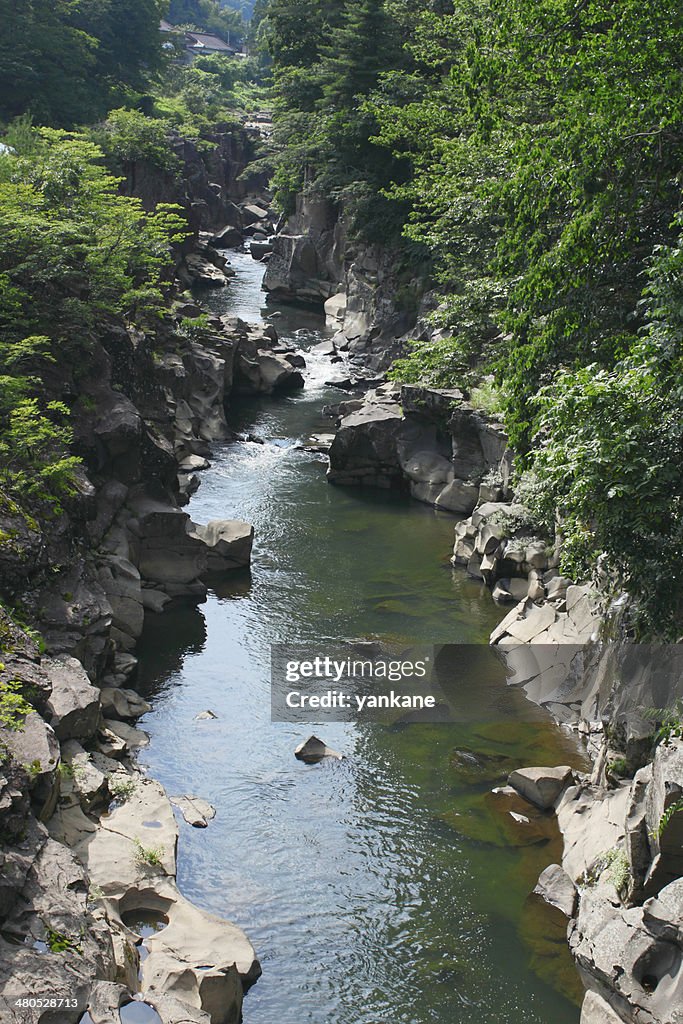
{"x":89,"y":839}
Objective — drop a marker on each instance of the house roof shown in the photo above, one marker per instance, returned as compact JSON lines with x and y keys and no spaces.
{"x":166,"y":26}
{"x":204,"y":40}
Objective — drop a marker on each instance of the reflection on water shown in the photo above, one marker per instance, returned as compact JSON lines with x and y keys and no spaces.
{"x":390,"y":886}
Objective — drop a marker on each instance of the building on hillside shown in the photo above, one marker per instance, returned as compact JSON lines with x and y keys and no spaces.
{"x":197,"y":43}
{"x":204,"y":42}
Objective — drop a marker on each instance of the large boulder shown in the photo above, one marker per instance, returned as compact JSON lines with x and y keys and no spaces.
{"x":555,"y":887}
{"x":168,"y":555}
{"x":365,"y":448}
{"x":35,"y":746}
{"x":121,"y":582}
{"x":228,"y":543}
{"x":541,"y":786}
{"x":74,"y":704}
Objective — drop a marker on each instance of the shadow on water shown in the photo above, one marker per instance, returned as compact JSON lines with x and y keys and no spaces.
{"x":392,"y":886}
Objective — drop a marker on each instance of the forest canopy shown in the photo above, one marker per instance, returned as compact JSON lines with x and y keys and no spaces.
{"x":533,"y":152}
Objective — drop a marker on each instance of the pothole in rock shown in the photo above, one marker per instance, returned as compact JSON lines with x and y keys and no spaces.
{"x":144,"y":923}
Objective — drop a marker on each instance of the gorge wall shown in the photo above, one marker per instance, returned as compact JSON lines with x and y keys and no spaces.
{"x":88,"y":841}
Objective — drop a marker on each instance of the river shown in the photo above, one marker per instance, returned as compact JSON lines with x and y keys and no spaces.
{"x":386,"y":888}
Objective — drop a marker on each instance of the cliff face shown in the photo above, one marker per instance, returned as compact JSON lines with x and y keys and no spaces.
{"x":208,"y":184}
{"x":371,"y":302}
{"x":77,"y":864}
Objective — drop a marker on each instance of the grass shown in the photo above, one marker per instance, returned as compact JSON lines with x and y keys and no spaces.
{"x":148,"y":854}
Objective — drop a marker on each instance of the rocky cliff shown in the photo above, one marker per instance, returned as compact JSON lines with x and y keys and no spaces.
{"x":87,"y":841}
{"x":370,"y":297}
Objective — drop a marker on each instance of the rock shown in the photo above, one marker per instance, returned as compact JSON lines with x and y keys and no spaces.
{"x":664,"y":792}
{"x":596,"y":1010}
{"x":202,"y":960}
{"x":195,"y":811}
{"x":554,"y":886}
{"x":295,"y":271}
{"x":20,"y":661}
{"x":628,"y":959}
{"x":198,"y":270}
{"x":251,"y":213}
{"x":168,"y":555}
{"x":592,"y":822}
{"x":204,"y":716}
{"x":154,"y":600}
{"x":74,"y":705}
{"x":131,"y":737}
{"x":364,"y":450}
{"x":35,"y":747}
{"x":525,"y":623}
{"x":510,"y":591}
{"x":260,"y":247}
{"x":541,"y":786}
{"x":176,"y":1011}
{"x":335,"y":308}
{"x":133,"y":843}
{"x":325,"y":348}
{"x":228,"y":238}
{"x":278,"y":374}
{"x":194,"y":463}
{"x":313,"y":750}
{"x":120,"y":581}
{"x":433,"y":403}
{"x":228,"y":543}
{"x":259,"y":371}
{"x":86,"y":781}
{"x":118,"y":703}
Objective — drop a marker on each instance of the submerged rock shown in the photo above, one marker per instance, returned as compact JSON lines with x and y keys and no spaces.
{"x":556,"y":888}
{"x":196,"y":811}
{"x":314,"y":750}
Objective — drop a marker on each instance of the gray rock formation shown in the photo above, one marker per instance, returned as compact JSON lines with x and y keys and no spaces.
{"x":228,"y":543}
{"x":542,"y":786}
{"x":74,"y":704}
{"x":555,"y":887}
{"x":411,"y":437}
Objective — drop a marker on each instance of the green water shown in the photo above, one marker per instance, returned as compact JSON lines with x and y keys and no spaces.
{"x":391,"y":886}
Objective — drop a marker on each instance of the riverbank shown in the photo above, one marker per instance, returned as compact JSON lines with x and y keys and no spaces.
{"x":403,"y":568}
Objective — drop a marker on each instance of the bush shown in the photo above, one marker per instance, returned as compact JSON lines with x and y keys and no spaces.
{"x":128,"y":135}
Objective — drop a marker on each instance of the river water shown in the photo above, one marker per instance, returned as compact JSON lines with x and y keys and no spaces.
{"x":386,"y":888}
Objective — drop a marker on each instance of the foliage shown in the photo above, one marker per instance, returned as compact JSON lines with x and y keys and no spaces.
{"x":487,"y":398}
{"x":618,"y":869}
{"x":129,"y":135}
{"x":121,"y":789}
{"x":438,"y":363}
{"x":67,"y":61}
{"x":669,"y":722}
{"x":666,"y":818}
{"x":73,"y":252}
{"x":214,"y":89}
{"x":59,"y":942}
{"x":13,"y":707}
{"x":33,"y":446}
{"x":322,"y":79}
{"x":208,"y":15}
{"x":148,"y":854}
{"x":607,"y":454}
